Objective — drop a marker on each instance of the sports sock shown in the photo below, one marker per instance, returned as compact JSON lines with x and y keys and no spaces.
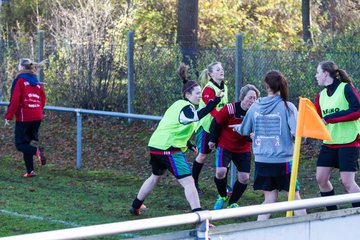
{"x":221,"y":186}
{"x":137,"y":203}
{"x":238,"y":191}
{"x":196,"y":209}
{"x":196,"y":172}
{"x":326,"y":194}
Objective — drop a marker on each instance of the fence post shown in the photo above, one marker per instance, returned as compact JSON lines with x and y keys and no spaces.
{"x":78,"y":138}
{"x":41,"y":53}
{"x":202,"y":231}
{"x":238,"y":85}
{"x":130,"y":73}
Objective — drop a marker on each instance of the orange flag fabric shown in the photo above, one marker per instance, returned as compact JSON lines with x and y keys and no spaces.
{"x":309,"y":123}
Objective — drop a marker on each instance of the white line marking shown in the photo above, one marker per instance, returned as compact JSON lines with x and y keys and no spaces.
{"x":127,"y":235}
{"x":39,"y":218}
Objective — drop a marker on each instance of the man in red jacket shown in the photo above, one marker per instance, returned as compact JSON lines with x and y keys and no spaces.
{"x":26,"y":103}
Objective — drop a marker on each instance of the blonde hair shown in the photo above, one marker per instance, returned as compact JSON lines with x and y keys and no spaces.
{"x":204,"y":75}
{"x":245,"y":89}
{"x":30,"y":65}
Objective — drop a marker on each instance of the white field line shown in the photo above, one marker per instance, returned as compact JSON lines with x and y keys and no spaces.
{"x":39,"y":218}
{"x":6,"y":212}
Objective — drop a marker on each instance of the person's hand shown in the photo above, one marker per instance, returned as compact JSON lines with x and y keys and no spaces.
{"x":233,"y":126}
{"x":195,"y":150}
{"x":7,"y":123}
{"x":252,"y":135}
{"x":211,"y":145}
{"x":220,"y":93}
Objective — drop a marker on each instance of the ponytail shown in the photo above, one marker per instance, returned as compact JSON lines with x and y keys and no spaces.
{"x":29,"y":65}
{"x":277,"y":82}
{"x":344,"y":77}
{"x":335,"y":72}
{"x":183,"y":72}
{"x":204,"y":76}
{"x":188,"y":85}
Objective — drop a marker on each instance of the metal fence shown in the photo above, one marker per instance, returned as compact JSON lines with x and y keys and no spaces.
{"x":79,"y":114}
{"x":99,"y":76}
{"x":200,"y":218}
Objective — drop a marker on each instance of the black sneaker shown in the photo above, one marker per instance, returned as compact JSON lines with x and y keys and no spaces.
{"x":135,"y":211}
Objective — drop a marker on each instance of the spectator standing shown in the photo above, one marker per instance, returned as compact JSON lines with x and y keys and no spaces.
{"x":26,"y":103}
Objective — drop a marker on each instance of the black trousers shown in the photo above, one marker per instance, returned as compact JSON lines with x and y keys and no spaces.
{"x":25,"y":132}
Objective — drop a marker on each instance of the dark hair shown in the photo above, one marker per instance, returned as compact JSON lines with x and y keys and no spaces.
{"x":277,"y":82}
{"x":335,"y":72}
{"x":189,"y":85}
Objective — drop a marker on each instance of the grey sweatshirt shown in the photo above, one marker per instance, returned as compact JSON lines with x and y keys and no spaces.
{"x":274,"y":126}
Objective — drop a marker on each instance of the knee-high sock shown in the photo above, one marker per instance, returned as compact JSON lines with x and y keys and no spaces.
{"x":221,"y":186}
{"x":238,"y":191}
{"x":330,"y":193}
{"x":196,"y":171}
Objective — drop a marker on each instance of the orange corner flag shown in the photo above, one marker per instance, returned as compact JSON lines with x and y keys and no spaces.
{"x":309,"y":123}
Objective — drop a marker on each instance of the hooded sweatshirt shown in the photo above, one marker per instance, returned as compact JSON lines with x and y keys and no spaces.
{"x":27,"y":98}
{"x":274,"y":128}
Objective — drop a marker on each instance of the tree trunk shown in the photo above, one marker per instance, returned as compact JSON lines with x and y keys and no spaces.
{"x":306,"y":21}
{"x":187,"y":29}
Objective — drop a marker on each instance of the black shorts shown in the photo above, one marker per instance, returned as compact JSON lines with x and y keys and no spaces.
{"x":345,"y":159}
{"x":269,"y":177}
{"x":242,"y":161}
{"x":174,"y":161}
{"x":268,"y":183}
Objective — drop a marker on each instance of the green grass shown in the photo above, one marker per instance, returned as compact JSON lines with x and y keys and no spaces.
{"x":98,"y":194}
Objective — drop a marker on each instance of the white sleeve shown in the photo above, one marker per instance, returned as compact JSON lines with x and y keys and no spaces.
{"x":188,"y":115}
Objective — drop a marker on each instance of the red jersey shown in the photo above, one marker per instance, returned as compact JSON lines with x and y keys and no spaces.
{"x":230,"y":114}
{"x":209,"y":94}
{"x":27,"y":100}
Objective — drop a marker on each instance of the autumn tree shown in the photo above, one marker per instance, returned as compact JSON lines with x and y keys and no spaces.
{"x":336,"y":16}
{"x":82,"y":67}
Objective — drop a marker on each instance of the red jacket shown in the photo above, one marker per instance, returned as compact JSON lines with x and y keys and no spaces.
{"x":27,"y":100}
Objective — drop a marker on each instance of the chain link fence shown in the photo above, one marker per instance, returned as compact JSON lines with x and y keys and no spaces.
{"x":94,"y":76}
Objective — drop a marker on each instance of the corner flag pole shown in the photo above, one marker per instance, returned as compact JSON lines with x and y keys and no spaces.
{"x":312,"y":126}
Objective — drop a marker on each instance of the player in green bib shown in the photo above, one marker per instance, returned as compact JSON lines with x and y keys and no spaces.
{"x":212,"y":81}
{"x":170,"y":141}
{"x":339,"y":106}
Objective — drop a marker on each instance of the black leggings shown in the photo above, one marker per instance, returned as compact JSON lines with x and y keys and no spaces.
{"x":25,"y":132}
